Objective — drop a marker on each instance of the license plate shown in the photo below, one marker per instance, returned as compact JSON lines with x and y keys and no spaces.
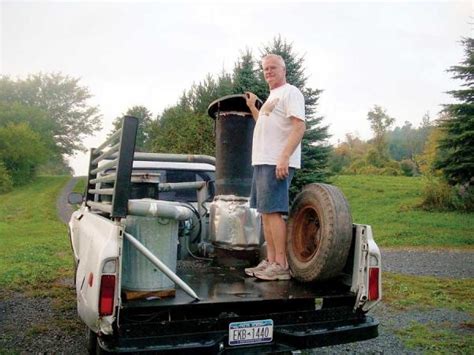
{"x":251,"y":332}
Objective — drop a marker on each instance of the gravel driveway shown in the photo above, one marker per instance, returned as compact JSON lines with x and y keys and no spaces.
{"x":24,"y":321}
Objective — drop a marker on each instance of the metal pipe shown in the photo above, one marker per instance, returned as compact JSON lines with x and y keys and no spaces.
{"x":100,"y":206}
{"x":104,"y":178}
{"x":111,"y":139}
{"x":102,"y":191}
{"x":106,"y":154}
{"x":158,"y":208}
{"x":186,"y":158}
{"x":108,"y":165}
{"x":181,"y":186}
{"x":160,"y":265}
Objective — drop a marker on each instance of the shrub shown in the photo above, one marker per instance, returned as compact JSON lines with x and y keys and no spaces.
{"x":463,"y":197}
{"x":389,"y":171}
{"x":439,"y":195}
{"x":389,"y":168}
{"x":374,"y":158}
{"x":408,"y":167}
{"x":21,"y":151}
{"x":5,"y":179}
{"x":355,"y":167}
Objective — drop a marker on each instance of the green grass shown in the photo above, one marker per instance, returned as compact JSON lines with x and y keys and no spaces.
{"x":389,"y":204}
{"x":34,"y":245}
{"x":81,"y":185}
{"x":435,"y":338}
{"x":407,"y":292}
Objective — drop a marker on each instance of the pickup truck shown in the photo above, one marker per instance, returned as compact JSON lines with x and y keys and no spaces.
{"x":150,"y":275}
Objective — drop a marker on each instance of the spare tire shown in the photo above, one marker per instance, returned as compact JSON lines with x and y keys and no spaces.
{"x":319,"y":233}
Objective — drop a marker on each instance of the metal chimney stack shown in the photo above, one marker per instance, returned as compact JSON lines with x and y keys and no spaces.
{"x":235,"y":229}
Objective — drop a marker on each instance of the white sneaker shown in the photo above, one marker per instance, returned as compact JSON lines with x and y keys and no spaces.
{"x":273,"y":272}
{"x":250,"y":271}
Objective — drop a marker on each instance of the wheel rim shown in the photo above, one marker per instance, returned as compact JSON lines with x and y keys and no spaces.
{"x":306,"y":234}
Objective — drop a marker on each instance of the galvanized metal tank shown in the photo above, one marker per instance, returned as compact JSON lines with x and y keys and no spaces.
{"x":160,"y":236}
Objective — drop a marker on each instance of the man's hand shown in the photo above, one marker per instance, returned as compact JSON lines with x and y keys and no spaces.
{"x":251,"y":99}
{"x":282,"y":170}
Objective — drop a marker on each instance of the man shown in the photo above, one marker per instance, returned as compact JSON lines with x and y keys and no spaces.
{"x":276,"y":153}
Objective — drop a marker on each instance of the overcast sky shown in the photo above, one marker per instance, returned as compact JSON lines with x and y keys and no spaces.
{"x":394,"y":54}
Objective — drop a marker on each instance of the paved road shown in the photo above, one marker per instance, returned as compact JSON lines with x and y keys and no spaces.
{"x":63,"y":208}
{"x":439,"y":263}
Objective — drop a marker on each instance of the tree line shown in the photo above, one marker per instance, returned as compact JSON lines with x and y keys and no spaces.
{"x":442,"y":151}
{"x":44,"y":117}
{"x":397,"y":151}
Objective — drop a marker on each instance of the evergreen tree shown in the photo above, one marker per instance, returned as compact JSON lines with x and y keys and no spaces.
{"x":315,"y":150}
{"x":144,"y":125}
{"x":248,"y":77}
{"x":180,"y":126}
{"x":457,"y":147}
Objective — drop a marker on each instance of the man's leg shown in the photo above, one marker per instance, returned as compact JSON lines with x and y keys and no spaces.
{"x":274,"y":227}
{"x":268,"y":235}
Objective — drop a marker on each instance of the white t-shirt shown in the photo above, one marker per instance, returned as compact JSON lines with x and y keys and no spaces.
{"x":274,"y":126}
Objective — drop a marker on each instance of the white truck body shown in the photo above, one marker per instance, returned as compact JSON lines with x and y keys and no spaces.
{"x":211,"y":305}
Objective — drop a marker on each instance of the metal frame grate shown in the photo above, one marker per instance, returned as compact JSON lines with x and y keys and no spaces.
{"x":121,"y":147}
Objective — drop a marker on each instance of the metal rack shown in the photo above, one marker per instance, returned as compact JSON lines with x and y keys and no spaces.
{"x":120,"y":147}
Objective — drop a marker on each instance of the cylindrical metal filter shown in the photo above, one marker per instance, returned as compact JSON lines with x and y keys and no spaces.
{"x":234,"y":131}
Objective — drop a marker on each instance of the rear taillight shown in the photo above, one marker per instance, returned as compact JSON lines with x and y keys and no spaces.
{"x":107,"y":292}
{"x":374,"y":283}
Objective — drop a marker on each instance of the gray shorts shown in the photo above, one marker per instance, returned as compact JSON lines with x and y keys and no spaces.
{"x":268,"y":194}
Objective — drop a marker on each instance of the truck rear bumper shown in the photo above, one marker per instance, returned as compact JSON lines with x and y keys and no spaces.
{"x":285,"y":338}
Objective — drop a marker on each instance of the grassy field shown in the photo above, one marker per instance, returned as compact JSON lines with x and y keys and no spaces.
{"x":389,"y":205}
{"x":34,"y":246}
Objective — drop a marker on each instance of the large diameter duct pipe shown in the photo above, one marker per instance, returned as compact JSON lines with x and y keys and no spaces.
{"x":158,"y":208}
{"x":234,"y":132}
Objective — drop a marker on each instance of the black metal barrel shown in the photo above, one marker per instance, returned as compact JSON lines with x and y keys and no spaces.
{"x":234,"y":131}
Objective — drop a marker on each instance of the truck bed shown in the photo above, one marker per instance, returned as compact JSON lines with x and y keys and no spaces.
{"x":218,"y":284}
{"x":304,"y":315}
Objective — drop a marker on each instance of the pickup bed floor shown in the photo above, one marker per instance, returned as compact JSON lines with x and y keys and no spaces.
{"x":216,"y":284}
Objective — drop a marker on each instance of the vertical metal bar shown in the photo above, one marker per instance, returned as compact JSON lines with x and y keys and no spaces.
{"x":124,"y":167}
{"x":91,"y":176}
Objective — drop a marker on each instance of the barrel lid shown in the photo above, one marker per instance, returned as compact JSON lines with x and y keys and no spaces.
{"x":230,"y":103}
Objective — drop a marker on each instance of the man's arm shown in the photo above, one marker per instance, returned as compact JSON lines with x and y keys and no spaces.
{"x":294,"y":139}
{"x":251,"y":99}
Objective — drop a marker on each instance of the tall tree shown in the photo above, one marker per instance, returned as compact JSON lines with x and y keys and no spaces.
{"x":21,"y":151}
{"x":144,"y":125}
{"x":63,"y":99}
{"x":247,"y":76}
{"x":39,"y":122}
{"x":380,"y":122}
{"x":180,"y":130}
{"x":315,"y":150}
{"x":179,"y":125}
{"x":457,"y":147}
